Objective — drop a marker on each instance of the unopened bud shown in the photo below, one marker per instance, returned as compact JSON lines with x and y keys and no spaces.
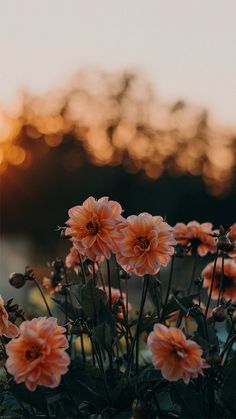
{"x":224,"y":243}
{"x":124,"y":275}
{"x":219,"y":313}
{"x":213,"y":358}
{"x":17,"y":280}
{"x":138,"y":410}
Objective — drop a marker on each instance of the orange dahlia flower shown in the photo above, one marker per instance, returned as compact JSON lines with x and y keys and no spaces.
{"x":115,"y":297}
{"x":232,"y":237}
{"x":73,"y":261}
{"x":51,"y":286}
{"x":198,"y":237}
{"x":145,"y":243}
{"x":174,"y":355}
{"x":37,"y":356}
{"x":228,"y":282}
{"x":7,"y":328}
{"x":92,"y":227}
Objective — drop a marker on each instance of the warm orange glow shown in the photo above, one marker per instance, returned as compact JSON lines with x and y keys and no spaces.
{"x":15,"y":155}
{"x":118,"y":120}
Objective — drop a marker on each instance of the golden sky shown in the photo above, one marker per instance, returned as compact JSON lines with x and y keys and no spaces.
{"x":187,"y":48}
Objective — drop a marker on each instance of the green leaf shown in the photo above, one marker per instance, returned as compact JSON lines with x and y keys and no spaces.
{"x":66,"y":307}
{"x":90,"y":299}
{"x":153,"y":289}
{"x":148,"y":323}
{"x":188,"y":399}
{"x":179,"y":304}
{"x":38,"y":398}
{"x":9,"y":406}
{"x":212,"y":335}
{"x":148,"y":375}
{"x":105,"y":315}
{"x":87,"y":386}
{"x":228,"y":391}
{"x":119,"y":389}
{"x":103,"y":336}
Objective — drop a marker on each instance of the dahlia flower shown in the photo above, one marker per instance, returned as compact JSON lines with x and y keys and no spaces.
{"x":37,"y":356}
{"x":176,"y":357}
{"x":92,"y":227}
{"x":7,"y":328}
{"x":145,"y":243}
{"x":232,"y":237}
{"x":228,"y":280}
{"x":115,"y":297}
{"x":73,"y":261}
{"x":198,"y":237}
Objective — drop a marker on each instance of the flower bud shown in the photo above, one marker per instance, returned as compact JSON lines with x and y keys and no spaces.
{"x":198,"y":281}
{"x":234,"y":317}
{"x":213,"y":358}
{"x":124,"y":275}
{"x":181,"y":251}
{"x":17,"y":280}
{"x":58,"y":264}
{"x":219,"y":313}
{"x":224,"y":243}
{"x":138,"y":410}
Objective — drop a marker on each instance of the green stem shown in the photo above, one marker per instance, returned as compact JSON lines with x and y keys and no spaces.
{"x":82,"y":269}
{"x":221,"y":280}
{"x":109,"y":284}
{"x":82,"y":348}
{"x":170,"y":280}
{"x":136,"y":337}
{"x":70,"y":395}
{"x":43,"y":297}
{"x":212,"y":283}
{"x":193,"y":273}
{"x":140,"y":319}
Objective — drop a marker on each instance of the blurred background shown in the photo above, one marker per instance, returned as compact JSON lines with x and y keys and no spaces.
{"x":134,"y":100}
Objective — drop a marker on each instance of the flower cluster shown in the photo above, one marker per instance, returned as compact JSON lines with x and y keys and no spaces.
{"x":141,"y":243}
{"x":103,"y":337}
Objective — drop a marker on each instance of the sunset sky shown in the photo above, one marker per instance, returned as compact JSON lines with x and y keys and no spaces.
{"x":187,"y":48}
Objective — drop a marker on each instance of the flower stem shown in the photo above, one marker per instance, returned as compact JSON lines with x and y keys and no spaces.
{"x":221,"y":280}
{"x":82,"y":348}
{"x":109,"y":283}
{"x":43,"y":296}
{"x":136,"y":337}
{"x":70,"y":395}
{"x":82,"y":269}
{"x":212,"y":283}
{"x":170,"y":280}
{"x":195,"y":261}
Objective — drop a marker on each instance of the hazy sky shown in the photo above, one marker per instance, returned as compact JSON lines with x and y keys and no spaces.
{"x":187,"y":48}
